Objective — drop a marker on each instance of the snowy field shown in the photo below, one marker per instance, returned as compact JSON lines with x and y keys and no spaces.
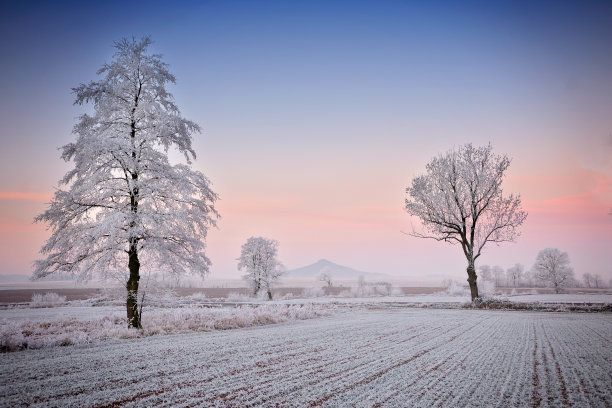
{"x":563,"y":298}
{"x":356,"y":357}
{"x":84,"y":311}
{"x":443,"y":299}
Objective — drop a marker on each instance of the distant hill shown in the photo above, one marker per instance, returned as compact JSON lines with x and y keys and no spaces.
{"x":334,"y":270}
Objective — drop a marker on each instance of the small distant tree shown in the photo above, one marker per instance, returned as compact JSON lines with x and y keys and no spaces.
{"x":528,"y":278}
{"x":498,"y":274}
{"x":515,"y":274}
{"x":484,"y":272}
{"x":124,"y":204}
{"x":325,"y":276}
{"x":587,"y":279}
{"x":258,"y":261}
{"x":597,"y":281}
{"x":553,"y":267}
{"x":460,"y":201}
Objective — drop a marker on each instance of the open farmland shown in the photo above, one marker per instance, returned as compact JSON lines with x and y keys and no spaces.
{"x":414,"y":357}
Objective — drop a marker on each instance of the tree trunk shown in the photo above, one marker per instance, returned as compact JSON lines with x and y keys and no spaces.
{"x":132,"y":288}
{"x":133,"y":262}
{"x":472,"y":281}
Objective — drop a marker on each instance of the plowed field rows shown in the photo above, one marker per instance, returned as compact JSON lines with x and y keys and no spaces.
{"x":395,"y":358}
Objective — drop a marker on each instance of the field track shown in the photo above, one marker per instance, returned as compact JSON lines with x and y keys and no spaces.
{"x":369,"y":358}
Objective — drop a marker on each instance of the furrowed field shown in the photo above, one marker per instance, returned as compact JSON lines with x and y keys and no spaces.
{"x":361,"y":356}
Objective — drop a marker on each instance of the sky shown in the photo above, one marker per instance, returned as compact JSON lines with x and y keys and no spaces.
{"x":316,"y":116}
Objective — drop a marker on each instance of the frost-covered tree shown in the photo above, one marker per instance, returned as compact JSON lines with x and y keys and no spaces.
{"x":484,"y":272}
{"x":528,"y":279}
{"x":325,"y":276}
{"x":124,"y":204}
{"x":258,"y":261}
{"x":553,"y":267}
{"x":498,"y":274}
{"x":597,"y":281}
{"x":460,"y":201}
{"x":587,"y":278}
{"x":515,"y":274}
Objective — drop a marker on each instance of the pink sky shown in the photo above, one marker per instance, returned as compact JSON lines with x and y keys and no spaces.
{"x":355,"y":217}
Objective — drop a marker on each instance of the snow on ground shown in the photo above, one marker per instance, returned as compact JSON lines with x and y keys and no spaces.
{"x":20,"y":314}
{"x":442,"y":299}
{"x":357,"y":357}
{"x":62,"y":329}
{"x":414,"y":299}
{"x":563,"y":298}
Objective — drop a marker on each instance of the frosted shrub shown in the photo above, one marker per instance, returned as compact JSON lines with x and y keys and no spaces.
{"x":486,"y":288}
{"x":198,"y":297}
{"x":35,"y":335}
{"x":238,"y":297}
{"x":50,"y":299}
{"x":456,"y":289}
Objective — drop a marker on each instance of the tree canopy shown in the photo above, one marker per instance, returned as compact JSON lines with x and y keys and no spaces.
{"x":124,"y":203}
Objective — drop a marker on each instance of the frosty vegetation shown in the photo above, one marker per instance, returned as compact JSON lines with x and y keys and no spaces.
{"x":50,"y":299}
{"x":553,"y":266}
{"x":258,"y":261}
{"x":460,"y":200}
{"x":515,"y":273}
{"x":592,"y":280}
{"x":325,"y":277}
{"x":67,"y":331}
{"x":124,"y":204}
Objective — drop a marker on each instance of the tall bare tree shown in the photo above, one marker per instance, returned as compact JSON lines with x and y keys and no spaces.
{"x":125,"y":205}
{"x":460,"y":201}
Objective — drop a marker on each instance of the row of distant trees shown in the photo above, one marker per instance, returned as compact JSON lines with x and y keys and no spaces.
{"x":552,"y":268}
